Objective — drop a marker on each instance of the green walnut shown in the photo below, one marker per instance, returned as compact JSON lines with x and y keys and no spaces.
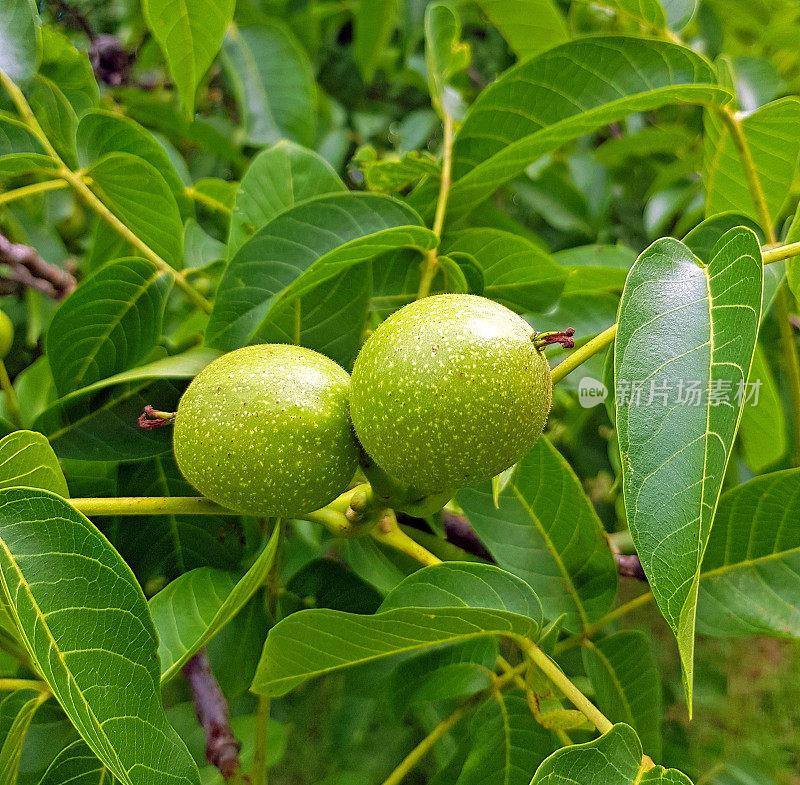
{"x":449,"y":391}
{"x":6,"y":334}
{"x":265,"y":430}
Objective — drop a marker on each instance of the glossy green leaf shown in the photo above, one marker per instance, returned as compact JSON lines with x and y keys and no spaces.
{"x":70,"y":70}
{"x":119,"y":180}
{"x":101,"y":132}
{"x":25,"y":703}
{"x":613,"y":759}
{"x":179,"y":366}
{"x":95,"y":645}
{"x":680,"y":12}
{"x":301,"y":248}
{"x":702,"y":239}
{"x":771,"y":135}
{"x":515,"y":272}
{"x":751,"y":568}
{"x":76,"y":764}
{"x":192,"y":609}
{"x":374,"y":24}
{"x":529,"y":26}
{"x":627,"y":684}
{"x":104,"y":425}
{"x":55,"y":115}
{"x":20,"y":40}
{"x":452,"y":672}
{"x":108,"y":324}
{"x":546,"y":532}
{"x":564,"y":93}
{"x":446,"y":55}
{"x":274,"y":82}
{"x":468,"y":585}
{"x":506,"y":744}
{"x":16,"y":164}
{"x":189,"y":33}
{"x":332,"y":317}
{"x":600,"y":268}
{"x":16,"y":137}
{"x":277,"y":179}
{"x":682,"y":326}
{"x":315,"y":642}
{"x":762,"y":432}
{"x":200,"y":249}
{"x":99,"y":422}
{"x":647,"y":12}
{"x":27,"y":459}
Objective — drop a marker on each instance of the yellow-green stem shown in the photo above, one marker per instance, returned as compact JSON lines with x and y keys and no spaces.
{"x":778,"y":253}
{"x":76,"y":181}
{"x":9,"y":685}
{"x":207,"y":201}
{"x":430,"y":264}
{"x":622,"y":610}
{"x":580,"y":356}
{"x":734,"y":126}
{"x":32,"y":190}
{"x":11,"y":396}
{"x":25,"y":111}
{"x":258,"y":771}
{"x":389,"y":533}
{"x":422,"y":749}
{"x":572,"y":693}
{"x":771,"y":253}
{"x":791,"y":363}
{"x":329,"y":517}
{"x":96,"y":204}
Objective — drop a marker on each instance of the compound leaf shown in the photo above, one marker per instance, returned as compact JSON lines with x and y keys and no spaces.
{"x":563,"y":93}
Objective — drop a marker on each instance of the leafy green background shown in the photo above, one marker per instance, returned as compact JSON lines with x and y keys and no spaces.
{"x":280,"y":161}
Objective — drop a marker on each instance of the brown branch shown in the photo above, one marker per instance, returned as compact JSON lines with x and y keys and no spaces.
{"x":459,"y":531}
{"x":72,"y":17}
{"x":111,"y":62}
{"x":222,"y":747}
{"x":28,"y":269}
{"x":629,"y":566}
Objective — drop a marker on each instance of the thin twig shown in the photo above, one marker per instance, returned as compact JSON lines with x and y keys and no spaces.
{"x":630,"y":566}
{"x":222,"y":747}
{"x":29,"y":270}
{"x":430,"y":264}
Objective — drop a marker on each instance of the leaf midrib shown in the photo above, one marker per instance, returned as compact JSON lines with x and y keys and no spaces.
{"x":114,"y":323}
{"x":571,"y":589}
{"x":54,"y":647}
